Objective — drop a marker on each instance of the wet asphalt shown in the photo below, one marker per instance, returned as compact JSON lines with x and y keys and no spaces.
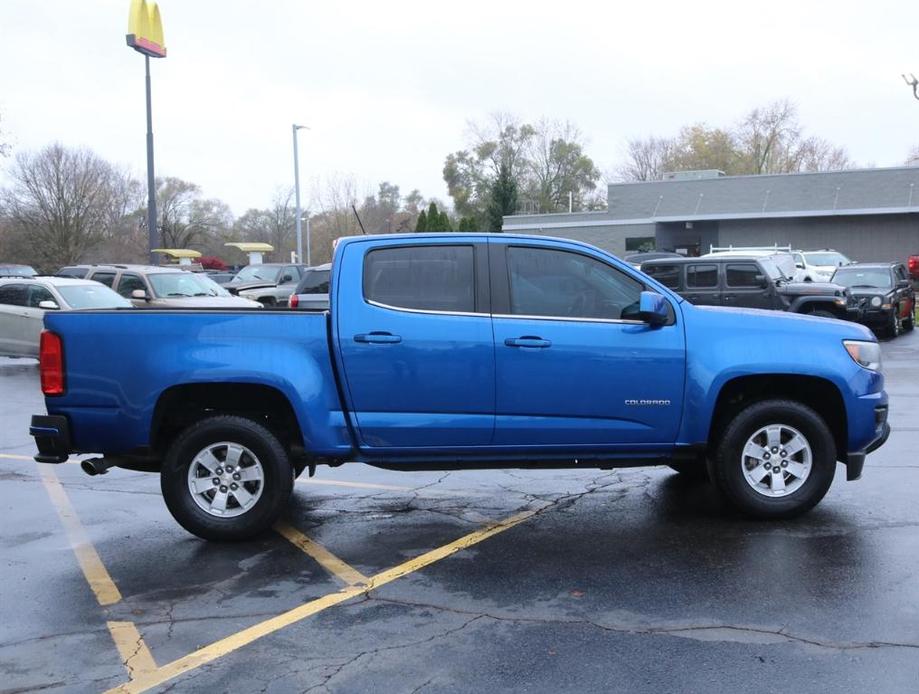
{"x":631,"y":581}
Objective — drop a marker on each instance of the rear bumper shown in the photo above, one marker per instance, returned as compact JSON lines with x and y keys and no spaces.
{"x":855,"y":460}
{"x":52,"y":437}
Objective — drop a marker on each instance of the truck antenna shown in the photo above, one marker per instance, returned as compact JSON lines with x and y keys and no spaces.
{"x":363,"y":231}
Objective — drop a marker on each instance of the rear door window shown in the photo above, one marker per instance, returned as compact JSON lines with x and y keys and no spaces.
{"x":667,"y":275}
{"x":742,"y":275}
{"x":106,"y":278}
{"x":428,"y":278}
{"x":702,"y":276}
{"x":14,"y":294}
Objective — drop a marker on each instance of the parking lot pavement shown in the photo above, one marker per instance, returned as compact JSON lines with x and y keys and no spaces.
{"x":631,"y":580}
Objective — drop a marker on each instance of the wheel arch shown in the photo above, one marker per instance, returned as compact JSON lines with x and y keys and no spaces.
{"x":181,"y":405}
{"x":820,"y":394}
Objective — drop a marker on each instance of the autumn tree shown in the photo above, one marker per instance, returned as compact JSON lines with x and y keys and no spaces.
{"x":769,"y":139}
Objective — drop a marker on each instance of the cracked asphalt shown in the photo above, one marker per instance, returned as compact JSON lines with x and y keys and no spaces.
{"x":631,"y":580}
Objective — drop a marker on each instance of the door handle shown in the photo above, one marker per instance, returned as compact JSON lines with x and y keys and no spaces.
{"x":378,"y":338}
{"x":527,"y":341}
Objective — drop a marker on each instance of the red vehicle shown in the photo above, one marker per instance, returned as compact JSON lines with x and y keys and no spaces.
{"x":913,"y":265}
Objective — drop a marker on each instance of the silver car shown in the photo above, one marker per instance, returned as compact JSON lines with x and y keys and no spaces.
{"x":23,"y":302}
{"x":312,"y":291}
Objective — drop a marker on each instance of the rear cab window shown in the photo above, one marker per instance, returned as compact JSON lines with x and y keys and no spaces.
{"x":439,"y":278}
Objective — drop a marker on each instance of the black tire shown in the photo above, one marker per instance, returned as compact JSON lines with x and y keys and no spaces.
{"x":893,"y":326}
{"x":691,"y":469}
{"x":728,"y":464}
{"x":820,"y":313}
{"x":260,"y":447}
{"x":910,"y":322}
{"x":267,"y":301}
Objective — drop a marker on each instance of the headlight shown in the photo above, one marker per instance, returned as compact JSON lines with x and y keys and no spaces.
{"x":866,"y":354}
{"x":875,"y":301}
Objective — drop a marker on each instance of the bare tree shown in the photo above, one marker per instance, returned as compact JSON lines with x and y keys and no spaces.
{"x":4,"y":146}
{"x":64,"y":202}
{"x":185,"y":218}
{"x":556,"y":166}
{"x":647,"y":159}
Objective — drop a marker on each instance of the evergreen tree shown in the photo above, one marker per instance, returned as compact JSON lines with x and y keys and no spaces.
{"x":422,"y":223}
{"x":445,"y":224}
{"x":503,"y":199}
{"x":434,"y":222}
{"x":468,"y":224}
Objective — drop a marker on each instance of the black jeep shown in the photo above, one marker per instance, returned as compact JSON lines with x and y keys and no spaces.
{"x":749,"y":282}
{"x":884,"y":295}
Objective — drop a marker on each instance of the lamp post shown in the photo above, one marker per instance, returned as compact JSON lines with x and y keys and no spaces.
{"x":294,"y":129}
{"x":145,"y":35}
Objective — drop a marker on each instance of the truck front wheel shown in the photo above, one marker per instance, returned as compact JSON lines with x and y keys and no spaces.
{"x":226,"y":478}
{"x":775,"y":459}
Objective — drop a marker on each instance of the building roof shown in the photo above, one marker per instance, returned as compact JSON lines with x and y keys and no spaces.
{"x":821,"y":194}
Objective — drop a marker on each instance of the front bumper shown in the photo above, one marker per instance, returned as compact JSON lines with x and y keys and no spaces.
{"x":52,"y":437}
{"x":876,"y":317}
{"x":855,"y":460}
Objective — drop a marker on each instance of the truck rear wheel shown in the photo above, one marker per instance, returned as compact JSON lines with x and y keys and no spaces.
{"x":226,"y":478}
{"x":776,"y":459}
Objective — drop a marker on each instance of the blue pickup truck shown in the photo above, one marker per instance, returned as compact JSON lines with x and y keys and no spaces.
{"x":461,"y":351}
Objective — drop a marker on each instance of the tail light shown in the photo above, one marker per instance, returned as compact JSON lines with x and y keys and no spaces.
{"x":51,"y":363}
{"x":914,"y":265}
{"x":293,"y":301}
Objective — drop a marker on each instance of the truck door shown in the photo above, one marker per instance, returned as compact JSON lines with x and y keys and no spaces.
{"x":415,"y":340}
{"x":574,"y":365}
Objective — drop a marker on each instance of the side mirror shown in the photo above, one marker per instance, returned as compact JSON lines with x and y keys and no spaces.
{"x":800,"y":266}
{"x":49,"y":305}
{"x":901,"y":284}
{"x":761,"y":281}
{"x":287,"y":279}
{"x":140,"y":294}
{"x":652,"y":308}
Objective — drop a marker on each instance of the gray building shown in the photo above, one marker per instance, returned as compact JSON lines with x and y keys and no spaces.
{"x":868,"y":214}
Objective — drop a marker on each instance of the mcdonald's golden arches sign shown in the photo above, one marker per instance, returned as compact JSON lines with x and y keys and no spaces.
{"x":145,"y":29}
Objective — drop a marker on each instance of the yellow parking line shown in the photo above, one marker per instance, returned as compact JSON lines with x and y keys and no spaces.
{"x":356,"y":485}
{"x":242,"y":638}
{"x":97,"y":576}
{"x":134,"y":652}
{"x":335,"y":566}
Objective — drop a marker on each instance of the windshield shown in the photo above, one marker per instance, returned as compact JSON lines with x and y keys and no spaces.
{"x":862,"y":277}
{"x":179,"y":284}
{"x":772,"y":269}
{"x":314,"y":282}
{"x":89,"y":296}
{"x":257,"y":273}
{"x":833,"y":259}
{"x":17,"y":271}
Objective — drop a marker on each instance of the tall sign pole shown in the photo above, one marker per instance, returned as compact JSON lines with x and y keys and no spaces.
{"x":145,"y":35}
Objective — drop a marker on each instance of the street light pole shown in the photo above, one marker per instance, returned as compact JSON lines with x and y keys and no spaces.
{"x":294,"y":129}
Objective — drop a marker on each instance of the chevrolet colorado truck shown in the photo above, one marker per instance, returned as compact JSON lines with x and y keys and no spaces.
{"x":461,"y":351}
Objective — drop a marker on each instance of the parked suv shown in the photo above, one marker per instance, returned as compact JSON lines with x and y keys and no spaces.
{"x":151,"y":286}
{"x":883,"y":293}
{"x":748,"y":282}
{"x":819,"y":266}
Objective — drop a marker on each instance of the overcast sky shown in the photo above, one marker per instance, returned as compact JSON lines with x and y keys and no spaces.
{"x":387,"y":87}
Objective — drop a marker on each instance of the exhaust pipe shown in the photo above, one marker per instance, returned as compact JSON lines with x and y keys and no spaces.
{"x":95,"y":466}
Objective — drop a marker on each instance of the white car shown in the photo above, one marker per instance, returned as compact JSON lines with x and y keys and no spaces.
{"x":23,"y":302}
{"x":819,"y":266}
